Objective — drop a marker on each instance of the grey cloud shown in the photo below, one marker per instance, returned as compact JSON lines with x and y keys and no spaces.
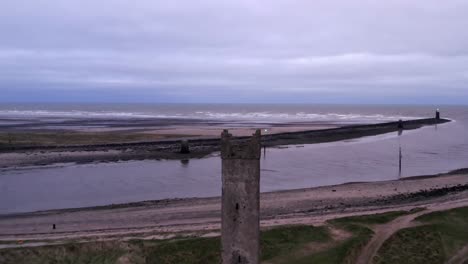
{"x":196,"y":48}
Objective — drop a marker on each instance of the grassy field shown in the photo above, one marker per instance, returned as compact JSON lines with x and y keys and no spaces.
{"x":440,"y":237}
{"x":91,"y":253}
{"x":343,"y":252}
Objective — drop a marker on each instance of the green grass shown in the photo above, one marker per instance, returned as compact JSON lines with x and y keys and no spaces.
{"x":413,"y":245}
{"x":190,"y":251}
{"x":452,"y":226}
{"x":284,"y":240}
{"x":347,"y":251}
{"x":344,"y":252}
{"x":274,"y":242}
{"x":91,"y":253}
{"x":441,"y":236}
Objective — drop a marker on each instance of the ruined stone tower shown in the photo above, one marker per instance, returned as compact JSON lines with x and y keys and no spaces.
{"x":240,"y":224}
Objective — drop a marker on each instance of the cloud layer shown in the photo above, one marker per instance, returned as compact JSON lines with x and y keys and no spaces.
{"x":235,"y":51}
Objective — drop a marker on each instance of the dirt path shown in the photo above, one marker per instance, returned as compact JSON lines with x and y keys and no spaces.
{"x":461,"y":257}
{"x":385,"y":231}
{"x":382,"y":233}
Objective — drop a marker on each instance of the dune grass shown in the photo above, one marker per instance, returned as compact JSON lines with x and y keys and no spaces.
{"x":343,"y":252}
{"x":439,"y":238}
{"x":92,"y":253}
{"x":274,"y":242}
{"x":358,"y":226}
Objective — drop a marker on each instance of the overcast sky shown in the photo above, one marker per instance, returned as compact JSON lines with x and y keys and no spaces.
{"x":399,"y":51}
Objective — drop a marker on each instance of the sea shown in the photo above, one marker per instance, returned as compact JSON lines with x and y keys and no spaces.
{"x":217,"y":112}
{"x":425,"y":151}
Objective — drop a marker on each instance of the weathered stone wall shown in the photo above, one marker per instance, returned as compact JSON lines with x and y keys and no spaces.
{"x":240,"y":231}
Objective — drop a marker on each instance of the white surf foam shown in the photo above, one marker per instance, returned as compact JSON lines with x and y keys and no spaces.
{"x":211,"y":115}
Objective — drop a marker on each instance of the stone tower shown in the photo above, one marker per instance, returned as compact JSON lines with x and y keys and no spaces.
{"x":240,"y":224}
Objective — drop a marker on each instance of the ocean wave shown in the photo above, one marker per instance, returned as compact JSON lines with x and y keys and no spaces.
{"x":210,"y":115}
{"x":76,"y":114}
{"x":302,"y":116}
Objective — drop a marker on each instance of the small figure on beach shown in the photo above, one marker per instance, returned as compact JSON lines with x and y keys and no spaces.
{"x":184,"y":147}
{"x":184,"y":162}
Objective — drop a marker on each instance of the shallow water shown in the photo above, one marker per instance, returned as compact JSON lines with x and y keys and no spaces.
{"x":430,"y":150}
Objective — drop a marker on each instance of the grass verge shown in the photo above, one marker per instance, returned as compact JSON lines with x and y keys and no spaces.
{"x":92,"y":253}
{"x":440,"y":237}
{"x":274,"y":242}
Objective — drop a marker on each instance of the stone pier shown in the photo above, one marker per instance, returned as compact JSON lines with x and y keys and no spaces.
{"x":240,"y":225}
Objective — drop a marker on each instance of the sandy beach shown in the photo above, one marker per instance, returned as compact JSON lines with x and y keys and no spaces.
{"x":201,"y":216}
